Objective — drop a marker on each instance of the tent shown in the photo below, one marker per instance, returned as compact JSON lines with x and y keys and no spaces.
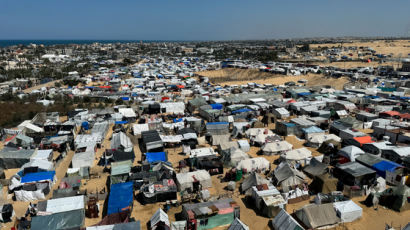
{"x":348,"y":211}
{"x":315,"y":168}
{"x":15,"y":158}
{"x":253,"y":179}
{"x":287,"y":176}
{"x":276,"y":147}
{"x":323,"y":184}
{"x":238,"y":225}
{"x":159,"y":220}
{"x":297,"y":154}
{"x":186,"y":180}
{"x":120,"y":198}
{"x":234,"y":156}
{"x":254,"y":164}
{"x":396,"y":198}
{"x":153,"y":157}
{"x":317,"y":140}
{"x":6,"y":213}
{"x":315,"y":216}
{"x":350,"y":152}
{"x":60,"y":214}
{"x":122,"y":142}
{"x":284,"y":221}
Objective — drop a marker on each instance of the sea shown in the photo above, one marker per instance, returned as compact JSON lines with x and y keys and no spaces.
{"x":5,"y":43}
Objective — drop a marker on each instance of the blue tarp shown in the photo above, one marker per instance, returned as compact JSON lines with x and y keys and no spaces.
{"x":85,"y":125}
{"x":125,"y":98}
{"x":242,"y":111}
{"x":216,"y":106}
{"x":290,"y":124}
{"x":217,"y":123}
{"x":178,"y":120}
{"x":120,"y":198}
{"x":384,"y":166}
{"x":153,"y":157}
{"x":38,"y":176}
{"x":304,"y":94}
{"x":121,"y":122}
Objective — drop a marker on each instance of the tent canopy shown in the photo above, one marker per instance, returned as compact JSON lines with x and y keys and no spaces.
{"x":120,"y":198}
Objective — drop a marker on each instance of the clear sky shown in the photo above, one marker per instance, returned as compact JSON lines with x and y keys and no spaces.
{"x":201,"y":19}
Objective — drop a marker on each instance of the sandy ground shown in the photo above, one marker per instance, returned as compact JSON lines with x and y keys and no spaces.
{"x":384,"y":47}
{"x":238,"y":77}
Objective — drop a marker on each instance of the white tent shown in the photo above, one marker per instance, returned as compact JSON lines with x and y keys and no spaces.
{"x":65,"y":204}
{"x":350,"y":152}
{"x":348,"y":211}
{"x":139,"y":128}
{"x":318,"y":139}
{"x":159,"y":216}
{"x":253,"y":164}
{"x":237,"y":155}
{"x":121,"y":140}
{"x":127,"y":112}
{"x":173,"y":107}
{"x":185,"y":180}
{"x":202,"y":152}
{"x":253,"y":132}
{"x":244,"y":145}
{"x":276,"y":147}
{"x":297,"y":154}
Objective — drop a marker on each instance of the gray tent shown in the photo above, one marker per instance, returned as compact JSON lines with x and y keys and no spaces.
{"x":15,"y":158}
{"x":285,"y":176}
{"x":315,"y":168}
{"x":252,"y":180}
{"x":315,"y":216}
{"x":284,"y":221}
{"x":238,"y":225}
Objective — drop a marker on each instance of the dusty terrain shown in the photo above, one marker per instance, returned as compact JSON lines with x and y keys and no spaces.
{"x":230,"y":76}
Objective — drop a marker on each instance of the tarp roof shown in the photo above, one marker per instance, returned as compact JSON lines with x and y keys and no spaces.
{"x":156,"y":156}
{"x":314,"y":216}
{"x":120,"y":198}
{"x":38,"y":176}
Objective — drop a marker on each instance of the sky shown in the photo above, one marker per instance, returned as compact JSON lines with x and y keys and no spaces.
{"x":201,"y":19}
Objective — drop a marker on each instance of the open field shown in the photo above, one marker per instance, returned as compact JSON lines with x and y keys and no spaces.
{"x":242,"y":76}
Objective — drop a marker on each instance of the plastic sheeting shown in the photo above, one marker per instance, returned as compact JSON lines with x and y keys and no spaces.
{"x":59,"y":221}
{"x":348,"y":211}
{"x":153,"y":157}
{"x":120,"y":198}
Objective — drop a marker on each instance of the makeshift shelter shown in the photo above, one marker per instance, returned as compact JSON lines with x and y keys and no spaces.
{"x":159,"y":220}
{"x":268,"y":200}
{"x":120,"y":141}
{"x":257,"y":164}
{"x":193,"y":181}
{"x":234,"y":156}
{"x":286,"y":176}
{"x":253,"y":179}
{"x":15,"y":158}
{"x":60,"y":214}
{"x":120,"y":198}
{"x":354,"y":173}
{"x":323,"y":184}
{"x":350,"y":153}
{"x":315,"y":168}
{"x":301,"y":155}
{"x":208,"y":215}
{"x":160,"y":191}
{"x":284,"y":221}
{"x":274,"y":148}
{"x":33,"y":186}
{"x":152,"y":142}
{"x":120,"y":171}
{"x":396,"y":198}
{"x":217,"y":128}
{"x":315,"y":216}
{"x":155,"y":157}
{"x":237,"y":224}
{"x":139,"y":128}
{"x":6,"y":213}
{"x":281,"y":113}
{"x":348,"y":211}
{"x":318,"y":140}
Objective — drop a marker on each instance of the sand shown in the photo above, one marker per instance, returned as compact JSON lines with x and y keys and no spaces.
{"x":231,"y":76}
